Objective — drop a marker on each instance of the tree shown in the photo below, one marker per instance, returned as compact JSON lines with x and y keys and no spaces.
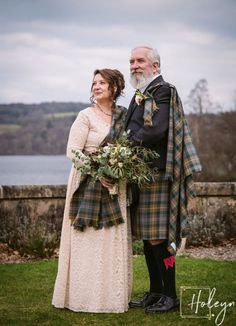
{"x":199,"y":99}
{"x":234,"y":100}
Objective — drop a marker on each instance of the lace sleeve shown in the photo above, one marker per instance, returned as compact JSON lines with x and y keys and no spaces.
{"x":78,"y":134}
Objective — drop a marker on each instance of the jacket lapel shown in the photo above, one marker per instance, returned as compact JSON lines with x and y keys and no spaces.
{"x":130,"y":111}
{"x":155,"y":81}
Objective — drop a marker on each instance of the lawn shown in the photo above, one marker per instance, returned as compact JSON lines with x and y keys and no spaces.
{"x":9,"y":128}
{"x":26,"y":291}
{"x":61,"y":115}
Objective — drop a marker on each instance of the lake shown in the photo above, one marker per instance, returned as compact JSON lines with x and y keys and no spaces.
{"x":34,"y":169}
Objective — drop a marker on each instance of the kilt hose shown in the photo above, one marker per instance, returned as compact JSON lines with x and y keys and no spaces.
{"x":150,"y":213}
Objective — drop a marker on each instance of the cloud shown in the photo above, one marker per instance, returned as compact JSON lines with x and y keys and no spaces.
{"x":49,"y":49}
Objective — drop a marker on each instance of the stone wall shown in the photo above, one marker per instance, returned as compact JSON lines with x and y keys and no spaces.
{"x":26,"y":211}
{"x":32,"y":209}
{"x":212,"y":214}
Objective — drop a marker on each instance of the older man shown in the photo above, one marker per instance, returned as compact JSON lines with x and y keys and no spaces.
{"x":155,"y":119}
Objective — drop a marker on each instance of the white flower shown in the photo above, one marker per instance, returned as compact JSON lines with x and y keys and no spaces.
{"x":112,"y":161}
{"x":138,"y":99}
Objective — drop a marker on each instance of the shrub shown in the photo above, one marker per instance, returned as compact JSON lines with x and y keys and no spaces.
{"x":38,"y":242}
{"x":138,"y":247}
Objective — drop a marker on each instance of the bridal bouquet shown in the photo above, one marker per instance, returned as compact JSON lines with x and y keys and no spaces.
{"x":119,"y":160}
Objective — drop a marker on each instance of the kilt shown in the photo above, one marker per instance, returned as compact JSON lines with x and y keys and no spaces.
{"x":150,"y":218}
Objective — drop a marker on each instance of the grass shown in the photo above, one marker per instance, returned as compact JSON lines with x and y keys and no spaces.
{"x":60,"y":115}
{"x":9,"y":128}
{"x":26,"y":292}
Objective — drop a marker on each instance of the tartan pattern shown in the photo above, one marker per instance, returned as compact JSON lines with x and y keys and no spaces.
{"x":91,"y":204}
{"x":168,"y":196}
{"x":151,"y":219}
{"x":182,"y":162}
{"x":117,"y":124}
{"x":149,"y":108}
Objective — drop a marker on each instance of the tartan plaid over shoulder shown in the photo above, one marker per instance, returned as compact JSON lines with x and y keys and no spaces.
{"x":182,"y":162}
{"x":91,"y":204}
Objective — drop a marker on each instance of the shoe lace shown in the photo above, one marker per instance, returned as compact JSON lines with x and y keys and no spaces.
{"x":161,"y":301}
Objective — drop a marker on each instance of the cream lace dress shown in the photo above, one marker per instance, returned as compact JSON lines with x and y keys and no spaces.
{"x":95,"y":266}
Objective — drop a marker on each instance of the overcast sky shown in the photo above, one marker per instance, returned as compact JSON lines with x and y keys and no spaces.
{"x":50,"y":48}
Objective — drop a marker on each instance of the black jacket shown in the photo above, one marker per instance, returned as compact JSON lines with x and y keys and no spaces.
{"x":155,"y":136}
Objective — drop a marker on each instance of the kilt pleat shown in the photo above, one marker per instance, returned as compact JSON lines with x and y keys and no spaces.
{"x":151,"y":218}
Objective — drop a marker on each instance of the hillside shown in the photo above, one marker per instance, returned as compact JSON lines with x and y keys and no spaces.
{"x":36,"y":128}
{"x":43,"y":129}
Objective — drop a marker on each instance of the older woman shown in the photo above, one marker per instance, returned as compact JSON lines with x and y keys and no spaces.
{"x":95,"y":265}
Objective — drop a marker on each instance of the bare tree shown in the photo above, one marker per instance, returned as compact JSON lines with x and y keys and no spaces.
{"x":234,"y":100}
{"x":199,"y":99}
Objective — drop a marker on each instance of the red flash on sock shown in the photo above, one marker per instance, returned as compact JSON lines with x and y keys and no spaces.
{"x":170,"y":261}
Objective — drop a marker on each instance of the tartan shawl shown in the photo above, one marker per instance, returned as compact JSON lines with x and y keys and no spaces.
{"x":182,"y":162}
{"x":91,"y":204}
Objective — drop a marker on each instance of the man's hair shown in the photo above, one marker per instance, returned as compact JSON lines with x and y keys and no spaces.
{"x":153,"y":55}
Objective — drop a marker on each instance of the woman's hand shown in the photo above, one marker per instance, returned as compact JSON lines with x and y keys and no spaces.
{"x":106,"y":182}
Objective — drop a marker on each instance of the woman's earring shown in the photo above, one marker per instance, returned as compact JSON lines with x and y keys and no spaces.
{"x":91,"y":98}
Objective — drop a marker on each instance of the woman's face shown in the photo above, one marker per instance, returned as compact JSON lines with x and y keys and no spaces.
{"x":100,"y":88}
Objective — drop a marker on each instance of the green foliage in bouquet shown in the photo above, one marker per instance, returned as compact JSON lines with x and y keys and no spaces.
{"x":119,"y":160}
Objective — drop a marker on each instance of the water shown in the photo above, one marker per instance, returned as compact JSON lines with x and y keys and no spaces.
{"x":32,"y":170}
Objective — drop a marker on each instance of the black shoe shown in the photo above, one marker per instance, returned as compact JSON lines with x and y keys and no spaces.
{"x":165,"y":304}
{"x":148,"y":299}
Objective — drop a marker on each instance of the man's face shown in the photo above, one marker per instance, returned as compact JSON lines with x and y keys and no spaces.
{"x":141,"y":68}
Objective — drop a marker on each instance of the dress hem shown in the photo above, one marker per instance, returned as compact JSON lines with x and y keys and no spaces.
{"x":91,"y":310}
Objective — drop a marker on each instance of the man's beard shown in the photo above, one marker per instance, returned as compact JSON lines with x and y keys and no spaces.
{"x":144,"y":81}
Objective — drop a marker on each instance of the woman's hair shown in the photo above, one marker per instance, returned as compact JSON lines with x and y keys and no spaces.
{"x":115,"y":80}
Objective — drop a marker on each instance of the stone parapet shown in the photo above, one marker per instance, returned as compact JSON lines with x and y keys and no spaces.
{"x":218,"y":189}
{"x":27,"y":212}
{"x":32,"y":191}
{"x":212,"y":214}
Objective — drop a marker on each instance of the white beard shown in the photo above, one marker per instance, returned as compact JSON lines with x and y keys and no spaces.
{"x":143,"y":82}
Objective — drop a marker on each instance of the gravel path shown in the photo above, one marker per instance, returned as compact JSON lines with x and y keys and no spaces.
{"x":226,"y":252}
{"x":222,"y":252}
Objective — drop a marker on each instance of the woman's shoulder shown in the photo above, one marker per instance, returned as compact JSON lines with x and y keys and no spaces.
{"x":120,"y":111}
{"x":86,"y":111}
{"x":121,"y":108}
{"x":85,"y":114}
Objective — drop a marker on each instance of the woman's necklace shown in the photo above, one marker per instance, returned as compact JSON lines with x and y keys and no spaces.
{"x":109,"y":114}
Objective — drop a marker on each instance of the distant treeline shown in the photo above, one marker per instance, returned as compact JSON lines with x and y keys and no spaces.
{"x":214,"y":136}
{"x":43,"y":129}
{"x":33,"y":129}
